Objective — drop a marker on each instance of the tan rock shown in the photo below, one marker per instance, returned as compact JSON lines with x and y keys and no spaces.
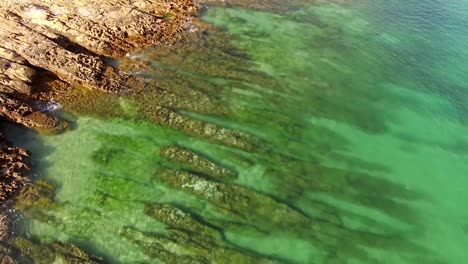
{"x":66,"y":38}
{"x":16,"y":71}
{"x":12,"y":167}
{"x":15,"y":111}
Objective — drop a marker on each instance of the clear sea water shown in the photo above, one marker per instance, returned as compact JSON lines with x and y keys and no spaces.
{"x":362,"y":111}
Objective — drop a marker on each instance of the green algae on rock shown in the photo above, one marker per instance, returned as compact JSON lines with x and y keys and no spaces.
{"x":235,"y":200}
{"x":56,"y":252}
{"x":198,"y":249}
{"x":196,"y":162}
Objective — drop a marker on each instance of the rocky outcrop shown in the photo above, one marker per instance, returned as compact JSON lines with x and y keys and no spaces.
{"x":74,"y":43}
{"x":69,"y":40}
{"x":17,"y":111}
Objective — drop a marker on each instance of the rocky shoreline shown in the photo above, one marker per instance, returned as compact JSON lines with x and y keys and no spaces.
{"x":73,"y":43}
{"x":51,"y":47}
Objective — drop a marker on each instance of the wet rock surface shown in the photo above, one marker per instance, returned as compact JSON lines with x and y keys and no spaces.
{"x":20,"y":112}
{"x":7,"y":255}
{"x":69,"y":40}
{"x":13,"y":171}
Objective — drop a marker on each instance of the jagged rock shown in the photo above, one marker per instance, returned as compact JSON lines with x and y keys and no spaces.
{"x":16,"y":71}
{"x":6,"y":254}
{"x":5,"y":225}
{"x":41,"y":51}
{"x":196,"y":162}
{"x":62,"y":37}
{"x":16,"y":111}
{"x":12,"y":169}
{"x":66,"y":38}
{"x":12,"y":56}
{"x":14,"y":76}
{"x":109,"y":27}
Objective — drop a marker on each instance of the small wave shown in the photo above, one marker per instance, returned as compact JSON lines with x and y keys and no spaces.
{"x":48,"y":107}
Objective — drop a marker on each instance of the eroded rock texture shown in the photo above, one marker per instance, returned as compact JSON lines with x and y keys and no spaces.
{"x":68,"y":39}
{"x":12,"y":169}
{"x":18,"y":111}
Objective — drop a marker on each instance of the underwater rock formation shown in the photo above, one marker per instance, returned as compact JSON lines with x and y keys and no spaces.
{"x":57,"y":252}
{"x":180,"y":246}
{"x":196,"y":162}
{"x":235,"y":200}
{"x":197,"y":241}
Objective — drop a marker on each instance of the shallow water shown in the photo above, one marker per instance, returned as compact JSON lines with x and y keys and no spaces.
{"x":359,"y":153}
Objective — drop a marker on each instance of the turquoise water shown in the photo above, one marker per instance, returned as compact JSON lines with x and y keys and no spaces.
{"x":354,"y":144}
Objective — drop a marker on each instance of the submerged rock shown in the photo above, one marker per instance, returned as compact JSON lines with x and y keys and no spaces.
{"x":73,"y":255}
{"x":167,"y":117}
{"x":176,"y":218}
{"x":57,"y":252}
{"x":159,"y":246}
{"x":196,"y":162}
{"x":239,"y":202}
{"x":181,"y":246}
{"x":181,"y":222}
{"x":39,"y":195}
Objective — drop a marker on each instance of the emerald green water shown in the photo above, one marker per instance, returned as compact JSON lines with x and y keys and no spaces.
{"x":359,"y":114}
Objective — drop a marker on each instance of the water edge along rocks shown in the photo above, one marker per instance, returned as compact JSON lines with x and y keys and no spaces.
{"x":71,"y":43}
